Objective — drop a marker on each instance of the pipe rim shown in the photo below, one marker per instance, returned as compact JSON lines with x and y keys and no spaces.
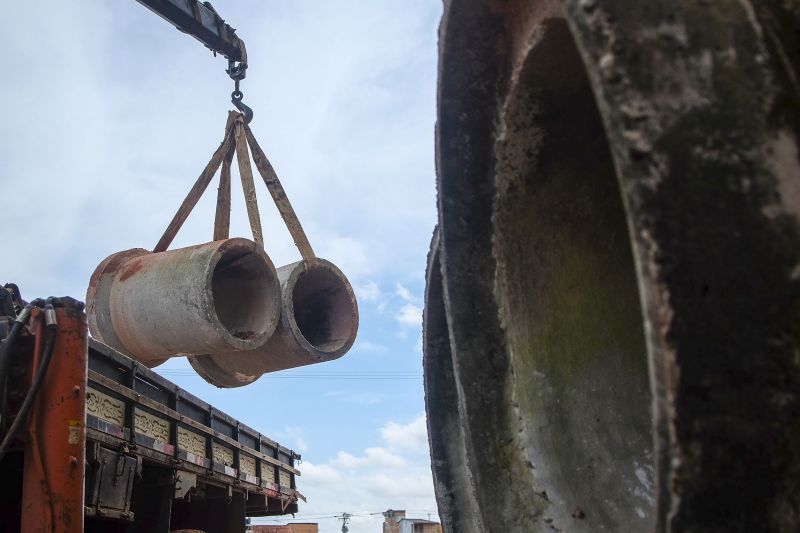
{"x":455,"y":493}
{"x":497,"y":392}
{"x":715,"y":231}
{"x":208,"y":367}
{"x":348,"y":321}
{"x":248,"y":339}
{"x":221,"y":309}
{"x":98,"y":312}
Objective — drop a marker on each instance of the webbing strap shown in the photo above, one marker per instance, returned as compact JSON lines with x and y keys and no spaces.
{"x":222,"y":219}
{"x":249,"y":188}
{"x":198,"y":189}
{"x":238,"y":136}
{"x":279,"y":197}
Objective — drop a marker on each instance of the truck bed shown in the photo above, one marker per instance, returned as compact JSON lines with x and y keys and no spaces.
{"x":150,"y":442}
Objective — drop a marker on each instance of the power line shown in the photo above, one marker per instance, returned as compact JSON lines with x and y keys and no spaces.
{"x":312,"y":376}
{"x":324,"y":374}
{"x":328,"y":372}
{"x":361,"y":514}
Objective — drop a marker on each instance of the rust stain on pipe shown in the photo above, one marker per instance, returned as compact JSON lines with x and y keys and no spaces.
{"x":211,"y":298}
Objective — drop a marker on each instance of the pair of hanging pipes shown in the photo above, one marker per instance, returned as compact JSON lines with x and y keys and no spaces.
{"x":224,"y":304}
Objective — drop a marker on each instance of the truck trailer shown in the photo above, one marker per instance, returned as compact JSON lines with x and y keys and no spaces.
{"x":95,"y":441}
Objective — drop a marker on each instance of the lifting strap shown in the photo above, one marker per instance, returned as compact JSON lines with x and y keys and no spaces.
{"x":238,"y":136}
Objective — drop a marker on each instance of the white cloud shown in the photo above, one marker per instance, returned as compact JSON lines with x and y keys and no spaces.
{"x":390,"y":487}
{"x":410,"y":315}
{"x":370,"y":347}
{"x":369,"y":292}
{"x":404,"y":293}
{"x":374,"y":458}
{"x":349,"y":254}
{"x":412,"y":436}
{"x":394,"y":475}
{"x":294,"y":434}
{"x":324,"y":474}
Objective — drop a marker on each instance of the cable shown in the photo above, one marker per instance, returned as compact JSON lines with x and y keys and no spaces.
{"x":358,"y":514}
{"x":346,"y":376}
{"x":19,"y":323}
{"x":49,"y":345}
{"x":10,"y":340}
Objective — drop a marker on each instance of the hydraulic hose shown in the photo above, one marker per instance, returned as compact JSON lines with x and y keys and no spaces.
{"x":19,"y":323}
{"x":49,"y":345}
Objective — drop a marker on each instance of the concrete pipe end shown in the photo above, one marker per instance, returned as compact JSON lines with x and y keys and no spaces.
{"x":320,"y":309}
{"x":98,"y":303}
{"x":319,"y":322}
{"x":455,"y":494}
{"x":243,"y":284}
{"x":210,"y":298}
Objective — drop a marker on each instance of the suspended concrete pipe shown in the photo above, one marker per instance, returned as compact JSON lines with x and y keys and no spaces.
{"x":318,"y":323}
{"x":613,"y":346}
{"x":209,"y":298}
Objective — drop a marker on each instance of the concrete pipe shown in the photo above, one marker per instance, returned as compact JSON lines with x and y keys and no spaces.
{"x":209,"y":298}
{"x":319,"y":322}
{"x":619,"y":210}
{"x":454,"y":485}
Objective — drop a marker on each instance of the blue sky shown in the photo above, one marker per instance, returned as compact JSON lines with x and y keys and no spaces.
{"x":109,"y":114}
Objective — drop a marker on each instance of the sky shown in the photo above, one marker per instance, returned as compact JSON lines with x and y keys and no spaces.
{"x":108,"y":116}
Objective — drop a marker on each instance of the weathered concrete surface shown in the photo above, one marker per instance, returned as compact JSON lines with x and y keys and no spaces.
{"x":208,"y":298}
{"x":700,"y":112}
{"x":455,"y":491}
{"x":98,"y":301}
{"x":566,"y":290}
{"x":701,"y":106}
{"x":318,"y":323}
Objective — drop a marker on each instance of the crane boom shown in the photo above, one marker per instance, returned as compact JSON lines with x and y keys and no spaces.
{"x":201,"y":21}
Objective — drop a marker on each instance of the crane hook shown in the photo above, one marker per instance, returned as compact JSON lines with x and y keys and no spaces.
{"x":236,"y":100}
{"x":237,"y":73}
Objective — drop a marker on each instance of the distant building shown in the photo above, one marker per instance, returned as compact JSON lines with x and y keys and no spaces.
{"x":396,"y":522}
{"x":297,"y":527}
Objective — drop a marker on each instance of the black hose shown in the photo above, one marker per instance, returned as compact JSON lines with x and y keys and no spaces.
{"x":49,"y":344}
{"x":5,"y":353}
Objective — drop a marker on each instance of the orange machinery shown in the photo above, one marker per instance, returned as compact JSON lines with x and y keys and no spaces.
{"x":94,"y":441}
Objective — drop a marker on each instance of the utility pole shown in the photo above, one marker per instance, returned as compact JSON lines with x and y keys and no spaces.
{"x":345,"y":518}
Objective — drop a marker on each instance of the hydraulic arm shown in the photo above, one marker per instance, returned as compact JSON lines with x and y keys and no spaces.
{"x":201,"y":21}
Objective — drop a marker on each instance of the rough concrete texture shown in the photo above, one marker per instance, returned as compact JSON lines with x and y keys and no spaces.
{"x":318,"y":323}
{"x":208,"y":298}
{"x":552,"y":353}
{"x":98,"y":301}
{"x":455,"y":491}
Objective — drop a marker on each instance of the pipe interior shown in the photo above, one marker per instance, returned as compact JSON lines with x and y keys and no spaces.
{"x":568,"y":296}
{"x":323,"y":309}
{"x":244,"y":288}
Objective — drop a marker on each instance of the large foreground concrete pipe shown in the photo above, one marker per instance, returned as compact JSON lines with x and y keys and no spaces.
{"x":209,"y":298}
{"x":619,"y":212}
{"x":452,"y":479}
{"x":319,"y":322}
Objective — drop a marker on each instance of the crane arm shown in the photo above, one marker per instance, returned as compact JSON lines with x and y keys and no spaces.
{"x":201,"y":21}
